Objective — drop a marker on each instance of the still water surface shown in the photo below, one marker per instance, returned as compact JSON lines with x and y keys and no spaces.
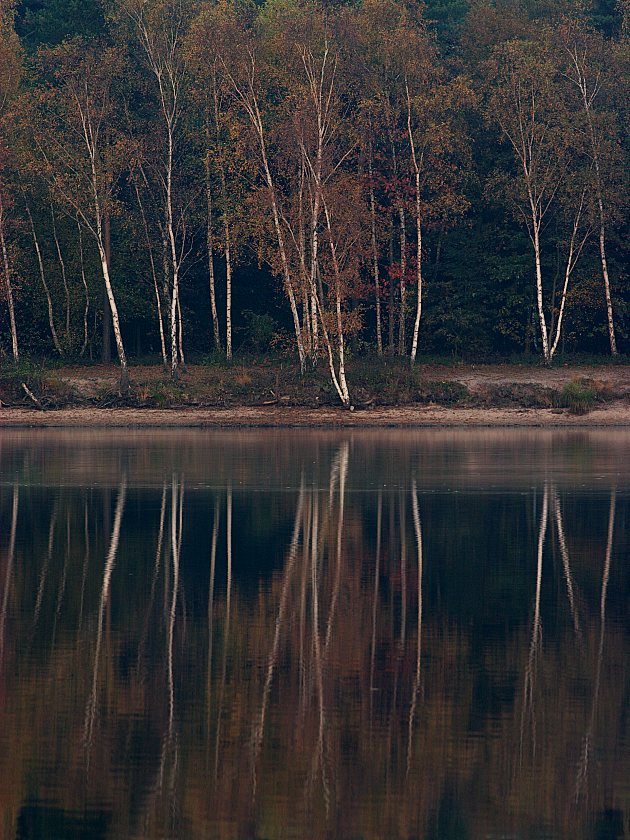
{"x":314,"y":635}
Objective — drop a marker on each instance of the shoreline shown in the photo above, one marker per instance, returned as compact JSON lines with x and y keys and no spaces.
{"x":613,"y":415}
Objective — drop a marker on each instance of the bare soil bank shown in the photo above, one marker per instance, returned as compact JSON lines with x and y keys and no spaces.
{"x":613,"y":415}
{"x":385,"y":393}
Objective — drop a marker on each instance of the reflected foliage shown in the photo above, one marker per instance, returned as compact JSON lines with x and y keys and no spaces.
{"x":238,"y":635}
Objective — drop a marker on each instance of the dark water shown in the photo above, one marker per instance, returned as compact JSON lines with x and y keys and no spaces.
{"x":314,"y":635}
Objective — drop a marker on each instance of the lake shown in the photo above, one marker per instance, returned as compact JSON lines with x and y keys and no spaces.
{"x":309,"y":634}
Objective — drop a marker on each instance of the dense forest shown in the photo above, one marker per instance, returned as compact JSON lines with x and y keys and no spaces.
{"x":313,"y":178}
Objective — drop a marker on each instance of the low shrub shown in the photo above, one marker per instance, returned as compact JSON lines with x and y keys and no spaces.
{"x":578,"y":396}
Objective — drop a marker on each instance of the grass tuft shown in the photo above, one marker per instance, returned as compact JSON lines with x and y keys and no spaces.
{"x":578,"y":396}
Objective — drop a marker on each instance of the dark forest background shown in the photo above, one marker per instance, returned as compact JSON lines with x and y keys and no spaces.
{"x":478,"y":268}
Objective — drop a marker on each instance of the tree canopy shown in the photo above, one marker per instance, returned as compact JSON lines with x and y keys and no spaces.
{"x":376,"y":177}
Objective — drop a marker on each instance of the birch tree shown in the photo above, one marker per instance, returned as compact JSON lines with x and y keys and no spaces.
{"x":10,"y":76}
{"x":80,"y":149}
{"x":438,"y":154}
{"x":160,"y":30}
{"x":524,"y":98}
{"x":242,"y":66}
{"x":588,"y":69}
{"x":422,"y":113}
{"x":227,"y":163}
{"x":319,"y":127}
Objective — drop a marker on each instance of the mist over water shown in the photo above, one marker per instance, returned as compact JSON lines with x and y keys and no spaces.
{"x":279,"y":634}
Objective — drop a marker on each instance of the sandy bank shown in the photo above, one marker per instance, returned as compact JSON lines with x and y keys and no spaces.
{"x":615,"y":414}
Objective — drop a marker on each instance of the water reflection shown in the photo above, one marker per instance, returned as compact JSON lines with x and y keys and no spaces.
{"x":329,"y":636}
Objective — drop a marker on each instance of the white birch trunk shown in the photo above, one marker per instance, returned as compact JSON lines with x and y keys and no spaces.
{"x":375,"y":269}
{"x":342,"y":383}
{"x":42,"y":274}
{"x":575,"y":249}
{"x":7,"y":284}
{"x":539,"y":285}
{"x":249,"y":100}
{"x":587,"y":101}
{"x":315,"y":233}
{"x":228,"y":292}
{"x":122,"y":356}
{"x":63,"y":274}
{"x":170,"y":231}
{"x":210,"y":246}
{"x":402,"y":338}
{"x":416,"y":167}
{"x":391,"y":320}
{"x":228,"y":266}
{"x":307,"y":321}
{"x":86,"y":310}
{"x":180,"y":332}
{"x":100,"y":234}
{"x":416,"y":326}
{"x":158,"y":299}
{"x":162,"y":52}
{"x":609,"y":306}
{"x":281,"y":244}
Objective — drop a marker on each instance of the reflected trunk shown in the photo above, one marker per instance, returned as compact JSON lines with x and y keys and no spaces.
{"x":110,"y":562}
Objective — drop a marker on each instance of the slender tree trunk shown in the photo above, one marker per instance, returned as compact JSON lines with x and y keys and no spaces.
{"x":602,"y":253}
{"x":402,"y":337}
{"x":539,"y":285}
{"x":416,"y":326}
{"x":170,"y":231}
{"x":156,"y":289}
{"x":64,"y":279}
{"x":7,"y":283}
{"x":416,"y":166}
{"x":42,"y":274}
{"x":228,"y":293}
{"x":180,"y":332}
{"x":86,"y":310}
{"x":575,"y":249}
{"x":122,"y":356}
{"x":210,"y":246}
{"x":390,"y":303}
{"x":166,"y":273}
{"x":375,"y":269}
{"x":102,"y":243}
{"x":307,"y":319}
{"x":552,"y":325}
{"x":587,"y":101}
{"x":283,"y":254}
{"x":228,"y":266}
{"x":343,"y":385}
{"x":315,"y":234}
{"x":250,"y":101}
{"x":106,"y":346}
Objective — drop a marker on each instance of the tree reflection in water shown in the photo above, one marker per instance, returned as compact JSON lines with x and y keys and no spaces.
{"x":347,"y":653}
